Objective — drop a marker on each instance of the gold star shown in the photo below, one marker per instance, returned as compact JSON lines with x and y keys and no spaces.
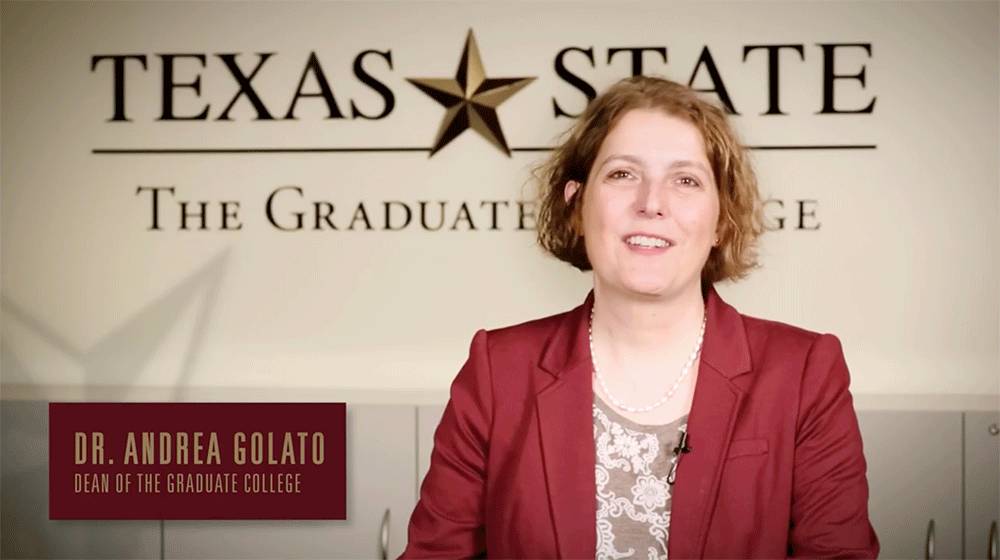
{"x":471,"y":99}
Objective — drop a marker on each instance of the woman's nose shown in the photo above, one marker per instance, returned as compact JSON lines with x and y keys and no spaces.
{"x":651,"y":200}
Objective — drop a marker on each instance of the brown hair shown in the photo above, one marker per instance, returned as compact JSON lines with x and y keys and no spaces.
{"x":559,"y":223}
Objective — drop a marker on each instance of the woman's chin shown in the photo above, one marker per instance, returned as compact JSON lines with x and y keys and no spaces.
{"x":648,"y":287}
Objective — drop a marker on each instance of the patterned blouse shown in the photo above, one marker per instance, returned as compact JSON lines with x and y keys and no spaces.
{"x":633,"y":497}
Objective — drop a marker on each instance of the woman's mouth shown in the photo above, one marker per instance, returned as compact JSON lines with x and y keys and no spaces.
{"x":647,"y":244}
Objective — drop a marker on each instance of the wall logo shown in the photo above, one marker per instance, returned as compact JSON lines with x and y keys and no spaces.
{"x":470,"y":99}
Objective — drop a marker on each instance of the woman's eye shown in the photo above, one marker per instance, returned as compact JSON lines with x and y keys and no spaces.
{"x":620,"y":174}
{"x":689,"y":182}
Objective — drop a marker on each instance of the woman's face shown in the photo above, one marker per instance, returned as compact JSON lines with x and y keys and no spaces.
{"x":651,"y":206}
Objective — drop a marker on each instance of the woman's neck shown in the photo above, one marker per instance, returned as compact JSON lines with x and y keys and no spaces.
{"x":644,"y":326}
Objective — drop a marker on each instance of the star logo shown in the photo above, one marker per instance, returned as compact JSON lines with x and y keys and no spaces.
{"x":470,"y":99}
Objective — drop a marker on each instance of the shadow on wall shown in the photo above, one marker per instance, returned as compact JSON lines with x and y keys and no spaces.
{"x":118,"y":357}
{"x":25,"y":529}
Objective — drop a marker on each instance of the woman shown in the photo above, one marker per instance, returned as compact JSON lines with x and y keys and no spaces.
{"x":654,"y":418}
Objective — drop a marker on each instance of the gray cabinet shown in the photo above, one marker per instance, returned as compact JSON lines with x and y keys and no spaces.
{"x":982,"y":482}
{"x":915,"y":477}
{"x":933,"y":465}
{"x":381,"y":465}
{"x":922,"y":465}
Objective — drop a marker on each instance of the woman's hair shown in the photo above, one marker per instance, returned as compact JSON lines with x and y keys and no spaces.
{"x":559,"y":223}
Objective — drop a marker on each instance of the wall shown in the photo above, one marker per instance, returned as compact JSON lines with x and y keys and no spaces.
{"x":895,"y":250}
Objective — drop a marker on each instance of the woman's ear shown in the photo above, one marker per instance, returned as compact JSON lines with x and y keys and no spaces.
{"x":570,"y":189}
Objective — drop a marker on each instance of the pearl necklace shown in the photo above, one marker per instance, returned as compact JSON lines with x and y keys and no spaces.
{"x":665,"y":397}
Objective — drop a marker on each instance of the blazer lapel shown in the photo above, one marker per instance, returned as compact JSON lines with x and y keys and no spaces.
{"x":714,"y":409}
{"x":565,"y":422}
{"x":564,"y":403}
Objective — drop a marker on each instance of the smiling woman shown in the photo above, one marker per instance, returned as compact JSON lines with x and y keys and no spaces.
{"x":651,"y":165}
{"x":654,"y":419}
{"x":626,"y":128}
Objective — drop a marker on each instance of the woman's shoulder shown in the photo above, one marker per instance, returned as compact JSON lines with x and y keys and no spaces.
{"x":528,"y":334}
{"x":766,"y":336}
{"x":802,"y":365}
{"x":763,"y":338}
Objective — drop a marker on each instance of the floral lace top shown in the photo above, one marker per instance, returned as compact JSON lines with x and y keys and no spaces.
{"x":633,"y":497}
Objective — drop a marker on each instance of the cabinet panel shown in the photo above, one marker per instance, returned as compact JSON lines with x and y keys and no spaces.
{"x":381,"y":466}
{"x":982,"y":480}
{"x":25,"y":527}
{"x":914,"y":475}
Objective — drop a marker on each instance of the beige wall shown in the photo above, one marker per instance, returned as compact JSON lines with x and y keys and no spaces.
{"x":904,"y":268}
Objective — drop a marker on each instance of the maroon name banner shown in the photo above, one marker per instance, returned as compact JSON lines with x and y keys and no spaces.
{"x":197,"y":460}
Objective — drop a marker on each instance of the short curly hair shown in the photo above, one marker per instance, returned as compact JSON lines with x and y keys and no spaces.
{"x":559,"y":224}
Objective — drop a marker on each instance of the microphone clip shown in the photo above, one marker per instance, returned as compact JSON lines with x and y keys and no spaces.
{"x":681,"y":448}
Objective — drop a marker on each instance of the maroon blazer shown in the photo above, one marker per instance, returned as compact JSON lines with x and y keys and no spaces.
{"x":775,"y":468}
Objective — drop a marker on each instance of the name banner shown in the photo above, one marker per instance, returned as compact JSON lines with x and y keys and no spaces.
{"x":197,"y":460}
